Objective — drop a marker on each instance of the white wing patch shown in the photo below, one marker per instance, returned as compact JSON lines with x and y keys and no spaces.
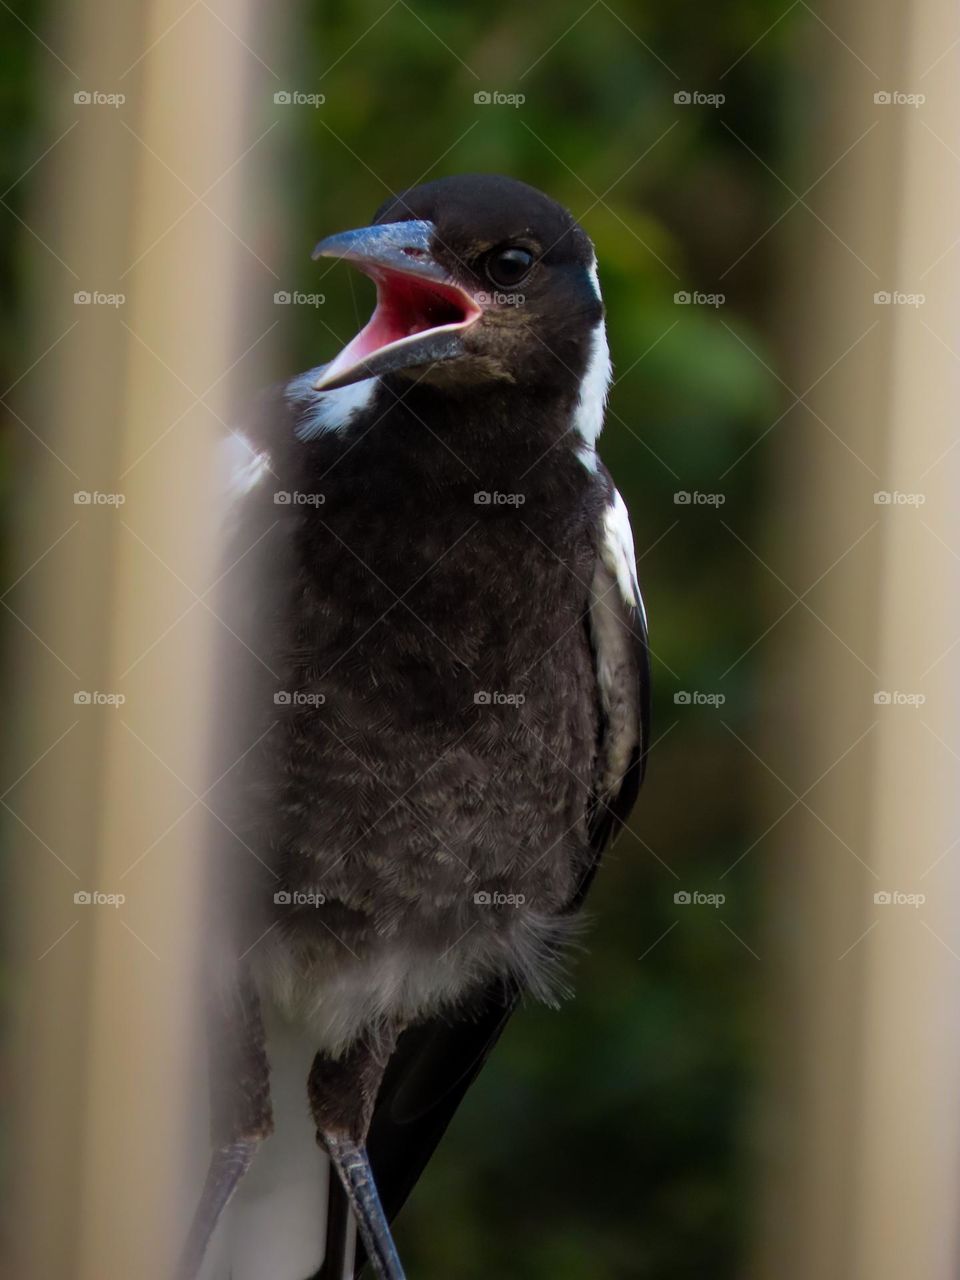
{"x":322,"y":411}
{"x":614,"y":591}
{"x":618,"y":552}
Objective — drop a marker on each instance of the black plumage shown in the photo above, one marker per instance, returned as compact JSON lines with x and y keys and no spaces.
{"x":449,"y":696}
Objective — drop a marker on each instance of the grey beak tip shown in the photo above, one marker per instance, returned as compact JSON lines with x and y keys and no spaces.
{"x":382,"y":242}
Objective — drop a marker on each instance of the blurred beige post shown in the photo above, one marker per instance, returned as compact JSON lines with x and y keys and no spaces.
{"x":132,"y":402}
{"x":863,"y":1141}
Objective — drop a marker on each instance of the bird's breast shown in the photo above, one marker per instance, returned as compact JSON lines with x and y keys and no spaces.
{"x":432,"y":760}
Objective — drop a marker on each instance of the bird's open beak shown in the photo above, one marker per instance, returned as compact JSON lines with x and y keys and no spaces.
{"x":421,"y":313}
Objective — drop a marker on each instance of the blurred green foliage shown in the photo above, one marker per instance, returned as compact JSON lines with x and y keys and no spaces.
{"x":22,"y":115}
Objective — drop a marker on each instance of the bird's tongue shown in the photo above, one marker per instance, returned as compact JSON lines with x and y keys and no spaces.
{"x":405,"y":306}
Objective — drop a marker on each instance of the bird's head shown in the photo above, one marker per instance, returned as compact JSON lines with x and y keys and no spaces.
{"x":479,"y":279}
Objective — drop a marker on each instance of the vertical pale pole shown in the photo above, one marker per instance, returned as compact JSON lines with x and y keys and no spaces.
{"x":862,"y":1140}
{"x":132,"y":402}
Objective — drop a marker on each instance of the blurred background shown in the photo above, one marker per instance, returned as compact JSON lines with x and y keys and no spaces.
{"x":756,"y":1075}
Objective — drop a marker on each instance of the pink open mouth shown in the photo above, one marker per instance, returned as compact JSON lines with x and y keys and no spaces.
{"x":407,"y":307}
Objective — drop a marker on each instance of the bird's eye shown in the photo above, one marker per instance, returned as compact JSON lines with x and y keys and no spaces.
{"x":508,"y":266}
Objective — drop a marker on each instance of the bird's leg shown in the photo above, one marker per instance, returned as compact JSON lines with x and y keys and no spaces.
{"x":343,"y":1092}
{"x":240,"y":1112}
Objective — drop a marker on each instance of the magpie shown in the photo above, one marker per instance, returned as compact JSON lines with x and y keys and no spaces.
{"x":443,"y":721}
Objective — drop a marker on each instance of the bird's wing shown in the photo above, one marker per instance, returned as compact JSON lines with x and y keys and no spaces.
{"x":618,"y":637}
{"x":435,"y":1063}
